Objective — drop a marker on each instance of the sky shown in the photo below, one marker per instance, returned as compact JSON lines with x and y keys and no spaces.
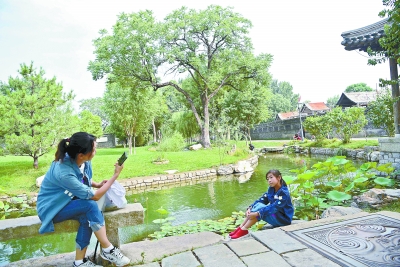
{"x":304,"y":38}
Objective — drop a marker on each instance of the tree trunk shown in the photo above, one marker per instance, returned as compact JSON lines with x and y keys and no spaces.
{"x":154,"y":132}
{"x":395,"y":93}
{"x":35,"y":162}
{"x":134,"y":145}
{"x":130,"y":144}
{"x":248,"y":132}
{"x":205,"y":128}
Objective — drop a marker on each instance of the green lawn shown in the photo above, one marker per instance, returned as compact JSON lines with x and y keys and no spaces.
{"x":18,"y":176}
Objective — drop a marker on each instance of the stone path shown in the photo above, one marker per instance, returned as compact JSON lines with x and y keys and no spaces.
{"x":272,"y":247}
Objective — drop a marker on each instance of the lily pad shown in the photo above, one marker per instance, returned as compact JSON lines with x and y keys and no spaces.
{"x":338,"y":196}
{"x":384,"y":181}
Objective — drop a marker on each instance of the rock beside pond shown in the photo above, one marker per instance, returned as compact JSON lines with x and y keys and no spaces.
{"x":243,"y":166}
{"x":225,"y":170}
{"x":338,"y":211}
{"x":195,"y":147}
{"x":375,"y":198}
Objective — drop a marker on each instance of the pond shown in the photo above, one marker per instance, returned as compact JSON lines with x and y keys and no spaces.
{"x":211,"y":200}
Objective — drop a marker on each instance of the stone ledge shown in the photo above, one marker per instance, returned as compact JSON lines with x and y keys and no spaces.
{"x":29,"y":226}
{"x":389,"y":144}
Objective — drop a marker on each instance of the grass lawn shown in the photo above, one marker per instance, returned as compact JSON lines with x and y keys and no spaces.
{"x":18,"y":176}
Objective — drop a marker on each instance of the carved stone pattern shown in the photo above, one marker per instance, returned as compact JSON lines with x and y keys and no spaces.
{"x":374,"y":242}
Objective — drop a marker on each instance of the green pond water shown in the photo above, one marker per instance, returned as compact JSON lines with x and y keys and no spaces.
{"x":209,"y":200}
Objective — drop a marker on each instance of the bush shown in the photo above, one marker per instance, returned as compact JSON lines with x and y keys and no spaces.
{"x":240,"y":152}
{"x":174,"y":143}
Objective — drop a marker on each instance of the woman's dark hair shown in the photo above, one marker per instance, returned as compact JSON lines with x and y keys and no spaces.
{"x":79,"y":142}
{"x":276,"y":173}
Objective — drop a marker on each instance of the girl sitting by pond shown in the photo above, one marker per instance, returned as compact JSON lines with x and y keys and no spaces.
{"x":275,"y":206}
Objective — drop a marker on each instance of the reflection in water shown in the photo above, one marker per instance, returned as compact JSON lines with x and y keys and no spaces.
{"x":211,"y":192}
{"x":212,"y":200}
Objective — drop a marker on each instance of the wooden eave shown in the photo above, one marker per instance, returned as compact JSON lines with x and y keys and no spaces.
{"x":365,"y":37}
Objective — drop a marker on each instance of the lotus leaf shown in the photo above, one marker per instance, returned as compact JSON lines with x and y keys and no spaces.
{"x":384,"y":181}
{"x":338,"y":196}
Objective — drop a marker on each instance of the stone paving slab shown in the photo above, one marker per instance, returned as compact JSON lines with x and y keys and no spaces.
{"x":309,"y":258}
{"x":185,"y":259}
{"x":167,"y":246}
{"x":277,"y":240}
{"x":246,"y":247}
{"x":139,"y":252}
{"x":258,"y":260}
{"x":218,"y":256}
{"x":153,"y":264}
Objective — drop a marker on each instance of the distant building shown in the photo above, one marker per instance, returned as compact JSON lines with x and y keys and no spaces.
{"x":314,"y":108}
{"x":306,"y":110}
{"x":356,"y":99}
{"x":286,"y":115}
{"x":106,"y":141}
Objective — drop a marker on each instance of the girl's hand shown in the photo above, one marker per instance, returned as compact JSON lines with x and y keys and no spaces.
{"x":102,"y":183}
{"x":248,"y":211}
{"x":98,"y":185}
{"x":118,"y":168}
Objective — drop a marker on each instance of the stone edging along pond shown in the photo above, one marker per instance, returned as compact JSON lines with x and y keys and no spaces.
{"x":245,"y":167}
{"x":157,"y":182}
{"x":368,"y":153}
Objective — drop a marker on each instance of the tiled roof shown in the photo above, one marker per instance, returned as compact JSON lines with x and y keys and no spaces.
{"x":364,"y":37}
{"x":317,"y":106}
{"x":356,"y":99}
{"x":287,"y":115}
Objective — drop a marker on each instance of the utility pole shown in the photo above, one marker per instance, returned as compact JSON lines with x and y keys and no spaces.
{"x":299,"y":105}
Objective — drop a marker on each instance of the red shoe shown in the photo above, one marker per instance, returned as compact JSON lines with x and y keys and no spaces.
{"x":240,"y":233}
{"x":234,"y":232}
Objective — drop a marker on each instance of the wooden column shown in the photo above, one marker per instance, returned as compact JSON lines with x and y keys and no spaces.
{"x":394,"y":75}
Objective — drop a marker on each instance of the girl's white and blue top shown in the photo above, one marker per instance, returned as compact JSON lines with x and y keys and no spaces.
{"x":276,"y":204}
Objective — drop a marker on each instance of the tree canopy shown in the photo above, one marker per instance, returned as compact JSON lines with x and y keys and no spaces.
{"x":90,"y":123}
{"x":358,"y":87}
{"x":332,"y":101}
{"x":96,"y":107}
{"x":211,"y":47}
{"x":380,"y":111}
{"x":33,"y":109}
{"x":130,"y":113}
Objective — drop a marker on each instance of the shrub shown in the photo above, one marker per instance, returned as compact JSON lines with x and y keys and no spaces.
{"x":173,"y":143}
{"x":239,"y":152}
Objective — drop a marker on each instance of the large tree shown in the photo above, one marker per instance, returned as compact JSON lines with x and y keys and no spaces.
{"x":34,"y":107}
{"x":130,"y":111}
{"x":90,"y":123}
{"x":96,"y":107}
{"x":283,"y":99}
{"x":332,"y":101}
{"x":380,"y":111}
{"x":210,"y":46}
{"x":248,"y":107}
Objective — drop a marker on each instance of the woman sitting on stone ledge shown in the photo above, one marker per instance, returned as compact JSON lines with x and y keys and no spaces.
{"x":66,"y":194}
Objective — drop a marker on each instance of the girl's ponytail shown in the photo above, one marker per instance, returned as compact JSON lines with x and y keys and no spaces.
{"x":61,"y":149}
